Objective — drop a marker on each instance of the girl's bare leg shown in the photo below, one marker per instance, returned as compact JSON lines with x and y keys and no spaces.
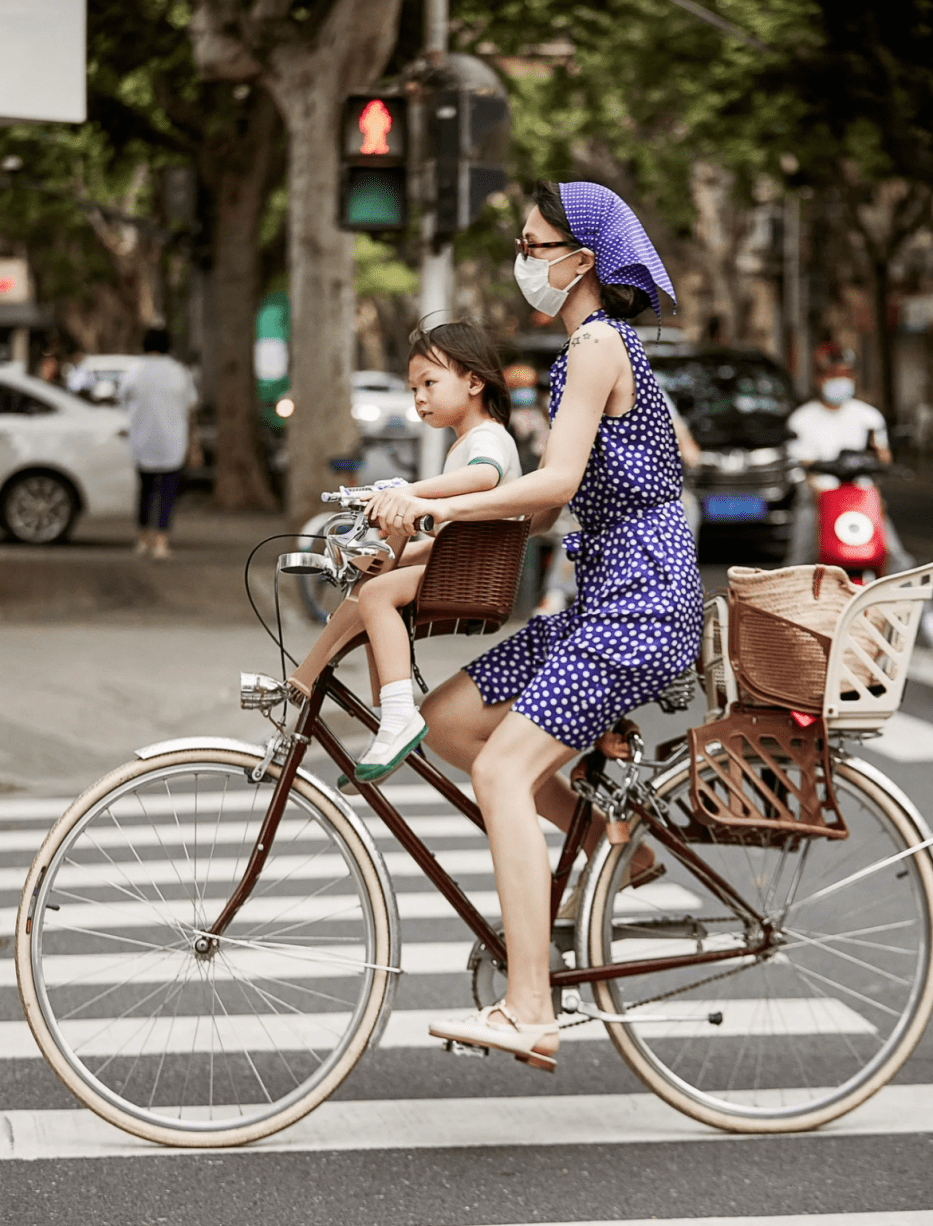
{"x":344,"y":625}
{"x":379,"y":604}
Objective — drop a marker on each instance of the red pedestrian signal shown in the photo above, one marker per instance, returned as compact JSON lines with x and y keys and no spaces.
{"x":375,"y":124}
{"x":374,"y":152}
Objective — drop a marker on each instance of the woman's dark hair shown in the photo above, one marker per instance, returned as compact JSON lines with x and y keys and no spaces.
{"x":619,"y":301}
{"x":156,"y":340}
{"x":468,"y":348}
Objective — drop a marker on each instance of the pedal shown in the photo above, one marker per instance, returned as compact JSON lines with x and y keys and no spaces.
{"x":465,"y":1049}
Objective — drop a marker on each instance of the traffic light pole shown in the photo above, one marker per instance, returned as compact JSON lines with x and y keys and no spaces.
{"x":437,"y":259}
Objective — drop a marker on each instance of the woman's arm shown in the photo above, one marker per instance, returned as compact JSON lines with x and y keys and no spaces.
{"x":597,"y":358}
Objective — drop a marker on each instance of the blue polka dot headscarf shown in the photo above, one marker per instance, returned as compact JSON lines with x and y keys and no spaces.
{"x":603,"y":222}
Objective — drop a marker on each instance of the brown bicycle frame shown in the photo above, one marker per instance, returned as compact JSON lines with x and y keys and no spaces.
{"x":310,"y":726}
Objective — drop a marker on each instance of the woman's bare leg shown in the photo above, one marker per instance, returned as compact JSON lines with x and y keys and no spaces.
{"x":460,"y":724}
{"x":507,"y":773}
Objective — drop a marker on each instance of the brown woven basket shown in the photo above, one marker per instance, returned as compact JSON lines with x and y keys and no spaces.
{"x":472,"y":574}
{"x":777,"y":662}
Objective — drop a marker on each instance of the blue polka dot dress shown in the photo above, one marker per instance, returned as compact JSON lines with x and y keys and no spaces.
{"x":637,"y":617}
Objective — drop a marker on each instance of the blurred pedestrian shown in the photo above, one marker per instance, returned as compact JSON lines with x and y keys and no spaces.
{"x":159,"y":395}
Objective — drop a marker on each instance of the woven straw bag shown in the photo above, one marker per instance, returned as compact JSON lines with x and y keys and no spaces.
{"x":781,"y":624}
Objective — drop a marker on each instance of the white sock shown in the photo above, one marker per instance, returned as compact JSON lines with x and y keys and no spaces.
{"x":398,"y":706}
{"x":377,"y":711}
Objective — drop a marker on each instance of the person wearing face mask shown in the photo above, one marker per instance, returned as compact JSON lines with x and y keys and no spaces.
{"x":833,"y":422}
{"x":526,"y":708}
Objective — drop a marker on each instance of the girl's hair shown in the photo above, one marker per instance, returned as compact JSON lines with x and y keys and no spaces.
{"x":619,"y":301}
{"x":468,"y":348}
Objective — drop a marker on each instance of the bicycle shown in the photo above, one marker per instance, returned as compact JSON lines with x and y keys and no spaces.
{"x":208,"y":939}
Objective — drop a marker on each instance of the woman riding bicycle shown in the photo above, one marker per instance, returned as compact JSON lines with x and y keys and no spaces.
{"x":523,"y":710}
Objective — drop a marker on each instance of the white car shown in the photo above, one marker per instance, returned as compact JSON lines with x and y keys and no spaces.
{"x":100,"y":376}
{"x":383,"y":405}
{"x":59,"y":458}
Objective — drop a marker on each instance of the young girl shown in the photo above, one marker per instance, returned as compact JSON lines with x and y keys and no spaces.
{"x":457,"y":381}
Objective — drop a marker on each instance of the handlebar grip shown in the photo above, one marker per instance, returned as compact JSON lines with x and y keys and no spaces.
{"x":425,"y":523}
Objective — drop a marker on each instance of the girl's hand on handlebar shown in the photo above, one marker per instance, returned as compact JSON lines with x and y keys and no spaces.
{"x":397,"y":511}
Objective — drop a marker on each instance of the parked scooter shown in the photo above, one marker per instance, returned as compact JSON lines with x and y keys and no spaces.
{"x":850,"y":515}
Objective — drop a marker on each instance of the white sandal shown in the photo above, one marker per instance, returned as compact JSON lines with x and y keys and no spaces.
{"x":520,"y":1039}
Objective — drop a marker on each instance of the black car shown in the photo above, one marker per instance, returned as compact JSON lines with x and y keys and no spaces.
{"x":736,"y":403}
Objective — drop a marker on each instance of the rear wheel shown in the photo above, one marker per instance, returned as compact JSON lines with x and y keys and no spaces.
{"x":179,"y":1039}
{"x":38,"y":508}
{"x":811,"y":1029}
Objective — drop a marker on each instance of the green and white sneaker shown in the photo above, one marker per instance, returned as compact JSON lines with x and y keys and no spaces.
{"x":383,"y":758}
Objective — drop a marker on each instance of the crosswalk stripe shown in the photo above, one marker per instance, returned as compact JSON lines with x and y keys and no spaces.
{"x":220,"y":869}
{"x":878,"y":1217}
{"x":168,"y":834}
{"x":52,"y":807}
{"x":408,"y":1028}
{"x":457,"y":1123}
{"x":904,"y":738}
{"x":428,"y":904}
{"x":418,"y":958}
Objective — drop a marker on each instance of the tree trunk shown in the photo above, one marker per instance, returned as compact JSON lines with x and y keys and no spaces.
{"x":351,"y":48}
{"x":233,"y":295}
{"x":320,"y":258}
{"x":884,"y":340}
{"x":345,"y":47}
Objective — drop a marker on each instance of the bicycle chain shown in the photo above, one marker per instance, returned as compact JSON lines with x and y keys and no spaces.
{"x":687,"y":987}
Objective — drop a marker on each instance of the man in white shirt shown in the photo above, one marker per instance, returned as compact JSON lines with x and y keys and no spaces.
{"x":834,"y":422}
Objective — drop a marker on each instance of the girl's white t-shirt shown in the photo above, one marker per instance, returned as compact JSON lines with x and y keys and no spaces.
{"x":488,"y":443}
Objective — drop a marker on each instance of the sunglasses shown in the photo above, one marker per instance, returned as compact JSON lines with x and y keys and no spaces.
{"x":523,"y":247}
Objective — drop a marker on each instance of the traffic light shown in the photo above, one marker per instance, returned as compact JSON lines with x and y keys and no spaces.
{"x":469,"y":137}
{"x":373,"y":155}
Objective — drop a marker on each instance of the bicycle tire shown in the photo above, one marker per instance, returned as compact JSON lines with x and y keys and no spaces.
{"x":805,"y":1035}
{"x":170,"y":1045}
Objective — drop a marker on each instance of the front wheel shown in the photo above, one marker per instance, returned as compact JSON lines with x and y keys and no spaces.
{"x":796,"y":1037}
{"x":179,"y":1039}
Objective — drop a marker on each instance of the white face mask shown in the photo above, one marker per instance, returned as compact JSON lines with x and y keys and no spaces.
{"x":838,"y":390}
{"x":536,"y":288}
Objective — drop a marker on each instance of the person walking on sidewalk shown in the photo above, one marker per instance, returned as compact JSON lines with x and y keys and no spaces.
{"x":159,"y":395}
{"x":531,"y":704}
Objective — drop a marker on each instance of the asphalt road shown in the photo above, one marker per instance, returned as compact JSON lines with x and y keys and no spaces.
{"x":416,"y":1137}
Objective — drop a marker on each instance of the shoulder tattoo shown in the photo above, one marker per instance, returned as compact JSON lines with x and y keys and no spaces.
{"x":585,"y":336}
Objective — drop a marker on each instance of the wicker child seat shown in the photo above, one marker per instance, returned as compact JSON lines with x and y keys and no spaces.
{"x":471,"y":578}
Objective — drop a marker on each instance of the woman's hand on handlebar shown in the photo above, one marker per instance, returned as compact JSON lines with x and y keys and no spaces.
{"x":397,"y":511}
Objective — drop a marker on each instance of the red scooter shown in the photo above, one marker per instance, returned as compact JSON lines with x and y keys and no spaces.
{"x":850,"y":516}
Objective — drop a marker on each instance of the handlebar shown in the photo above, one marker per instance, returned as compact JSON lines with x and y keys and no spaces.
{"x":348,"y":496}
